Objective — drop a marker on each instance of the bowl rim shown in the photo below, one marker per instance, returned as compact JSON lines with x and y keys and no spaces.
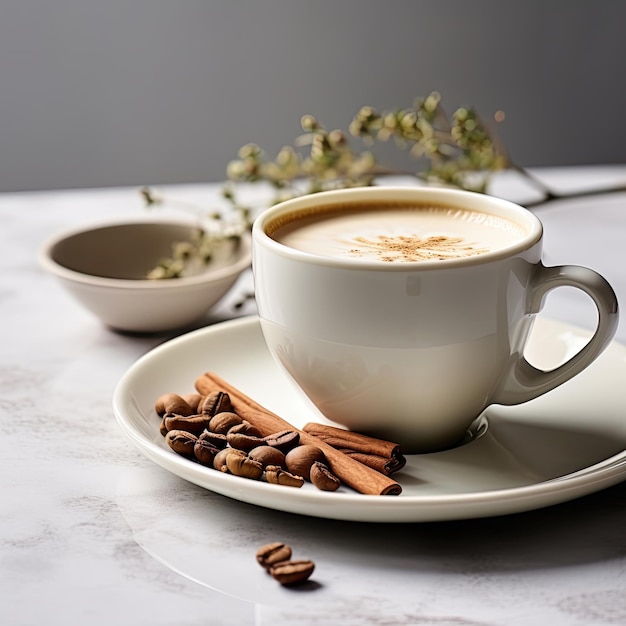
{"x":44,"y":254}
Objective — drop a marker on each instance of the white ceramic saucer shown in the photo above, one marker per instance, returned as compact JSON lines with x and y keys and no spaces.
{"x":566,"y":444}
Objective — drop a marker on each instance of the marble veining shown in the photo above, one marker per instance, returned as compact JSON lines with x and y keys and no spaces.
{"x":92,"y":532}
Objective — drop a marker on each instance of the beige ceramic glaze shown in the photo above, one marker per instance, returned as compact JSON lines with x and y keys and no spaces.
{"x":104,"y":268}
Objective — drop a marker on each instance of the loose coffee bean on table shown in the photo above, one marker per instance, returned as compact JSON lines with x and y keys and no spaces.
{"x":272,"y":553}
{"x":292,"y":572}
{"x":276,"y":559}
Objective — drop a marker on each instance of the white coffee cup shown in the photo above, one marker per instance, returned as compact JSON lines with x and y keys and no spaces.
{"x":406,"y":348}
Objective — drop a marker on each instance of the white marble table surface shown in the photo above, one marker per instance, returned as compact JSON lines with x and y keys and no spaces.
{"x":92,"y":532}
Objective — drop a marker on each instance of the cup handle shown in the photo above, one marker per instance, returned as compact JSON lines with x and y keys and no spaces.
{"x":524,"y":381}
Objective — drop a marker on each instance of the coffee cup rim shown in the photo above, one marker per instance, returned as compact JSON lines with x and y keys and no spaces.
{"x":462,"y":199}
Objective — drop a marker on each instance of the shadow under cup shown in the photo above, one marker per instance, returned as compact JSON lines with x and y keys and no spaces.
{"x":411,"y":350}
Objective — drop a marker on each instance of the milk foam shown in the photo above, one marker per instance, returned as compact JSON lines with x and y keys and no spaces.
{"x":399,"y":234}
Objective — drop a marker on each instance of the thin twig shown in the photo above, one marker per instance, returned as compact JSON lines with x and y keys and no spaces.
{"x":551,"y":197}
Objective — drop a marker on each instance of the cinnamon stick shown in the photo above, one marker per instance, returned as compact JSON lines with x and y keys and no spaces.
{"x":380,"y":454}
{"x":359,"y":477}
{"x":340,"y":438}
{"x":383,"y":464}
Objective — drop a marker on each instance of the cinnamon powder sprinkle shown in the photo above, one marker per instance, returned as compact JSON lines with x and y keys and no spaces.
{"x":414,"y":248}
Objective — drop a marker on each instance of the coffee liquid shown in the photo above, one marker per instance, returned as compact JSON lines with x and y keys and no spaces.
{"x":394,"y":233}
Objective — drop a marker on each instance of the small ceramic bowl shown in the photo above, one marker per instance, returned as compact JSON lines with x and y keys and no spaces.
{"x":105,"y":267}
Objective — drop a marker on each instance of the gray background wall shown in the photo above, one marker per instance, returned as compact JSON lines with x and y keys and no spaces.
{"x":133,"y":92}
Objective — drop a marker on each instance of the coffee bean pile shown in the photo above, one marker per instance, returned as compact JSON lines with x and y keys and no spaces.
{"x":208,"y":431}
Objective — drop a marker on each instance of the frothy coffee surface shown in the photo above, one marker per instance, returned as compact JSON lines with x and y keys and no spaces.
{"x":396,"y":234}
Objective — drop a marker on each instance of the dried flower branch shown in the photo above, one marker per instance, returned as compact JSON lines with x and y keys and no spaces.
{"x":458,"y":150}
{"x":214,"y":229}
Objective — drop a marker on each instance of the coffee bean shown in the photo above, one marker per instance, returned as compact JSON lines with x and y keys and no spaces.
{"x":323,"y":478}
{"x":219,"y":462}
{"x":216,"y":402}
{"x":193,"y":400}
{"x":217,"y":439}
{"x":300,"y":459}
{"x":292,"y":572}
{"x":246,"y":428}
{"x":266,"y":455}
{"x":205,"y":452}
{"x":240,"y":464}
{"x":241,"y":441}
{"x":224,"y":421}
{"x":278,"y":476}
{"x":172,"y":403}
{"x":272,"y":553}
{"x":191,"y":423}
{"x":283,"y":440}
{"x":181,"y":442}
